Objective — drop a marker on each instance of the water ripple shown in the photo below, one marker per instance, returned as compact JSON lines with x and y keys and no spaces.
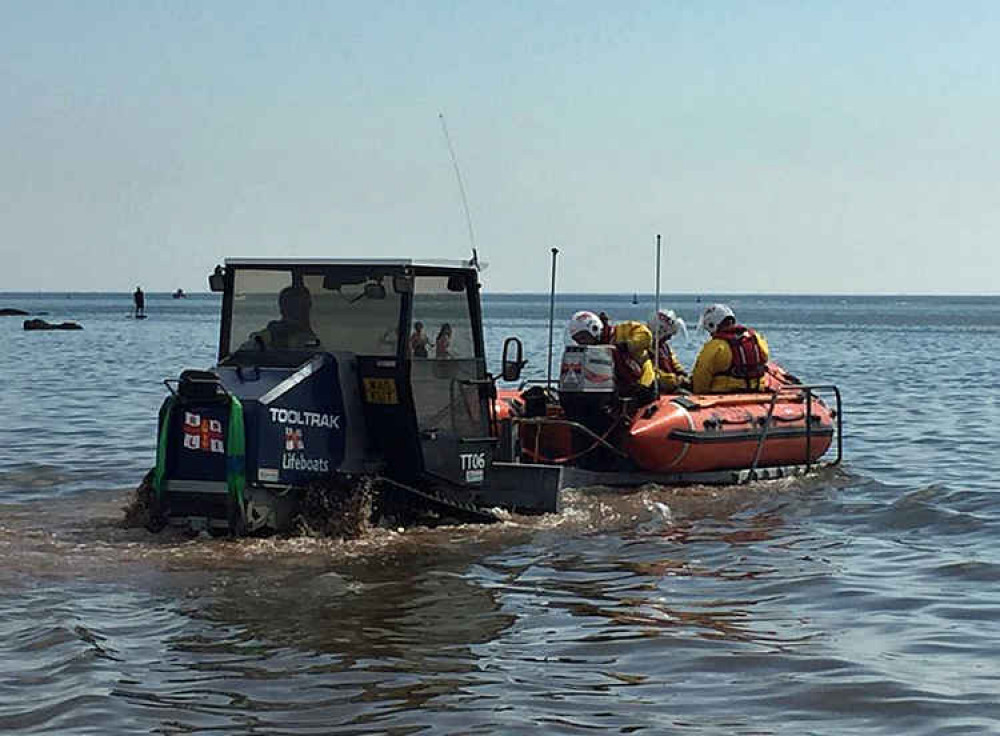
{"x":858,"y":601}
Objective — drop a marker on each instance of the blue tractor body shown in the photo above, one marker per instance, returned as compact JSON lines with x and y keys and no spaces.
{"x":334,"y":369}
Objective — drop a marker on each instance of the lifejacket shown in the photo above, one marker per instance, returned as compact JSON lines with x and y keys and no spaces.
{"x":628,"y":370}
{"x":667,"y":361}
{"x":633,"y":356}
{"x":748,"y":363}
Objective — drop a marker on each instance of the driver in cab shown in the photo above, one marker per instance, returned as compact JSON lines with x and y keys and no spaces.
{"x":292,"y":331}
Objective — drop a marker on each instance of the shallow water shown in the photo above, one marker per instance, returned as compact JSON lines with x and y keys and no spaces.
{"x":860,"y":600}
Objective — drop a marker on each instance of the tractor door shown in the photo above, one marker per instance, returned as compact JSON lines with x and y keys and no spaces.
{"x":448,"y":377}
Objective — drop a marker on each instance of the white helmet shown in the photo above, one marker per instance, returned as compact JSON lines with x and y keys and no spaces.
{"x":712,"y":317}
{"x":585,"y":322}
{"x":668,"y":324}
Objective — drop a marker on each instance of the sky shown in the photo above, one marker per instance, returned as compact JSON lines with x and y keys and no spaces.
{"x":777,"y":147}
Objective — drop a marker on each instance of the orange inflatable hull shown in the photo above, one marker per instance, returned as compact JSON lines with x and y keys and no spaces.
{"x":700,"y":433}
{"x":694,"y":433}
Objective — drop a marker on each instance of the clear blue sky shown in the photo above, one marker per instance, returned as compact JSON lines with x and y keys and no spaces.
{"x":778,"y":146}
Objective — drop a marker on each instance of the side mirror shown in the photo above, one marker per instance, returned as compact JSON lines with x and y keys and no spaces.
{"x":217,"y":279}
{"x":374,"y":290}
{"x":513,"y":359}
{"x":402,"y":284}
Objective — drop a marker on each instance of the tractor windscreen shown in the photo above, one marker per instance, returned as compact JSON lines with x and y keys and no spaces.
{"x":280,"y":315}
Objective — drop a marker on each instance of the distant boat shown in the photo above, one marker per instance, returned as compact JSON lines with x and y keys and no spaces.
{"x":635,"y":298}
{"x":179,"y":294}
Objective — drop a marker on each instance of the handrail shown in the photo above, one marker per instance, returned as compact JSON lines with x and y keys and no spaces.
{"x":168,"y":382}
{"x":763,"y":434}
{"x":491,"y":440}
{"x":808,"y":420}
{"x":809,"y":394}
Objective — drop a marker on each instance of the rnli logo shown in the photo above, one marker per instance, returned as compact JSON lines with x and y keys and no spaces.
{"x":202,"y":434}
{"x":295,"y":422}
{"x":293,"y":440}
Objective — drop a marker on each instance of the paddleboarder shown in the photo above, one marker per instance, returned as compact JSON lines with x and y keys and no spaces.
{"x":140,"y":302}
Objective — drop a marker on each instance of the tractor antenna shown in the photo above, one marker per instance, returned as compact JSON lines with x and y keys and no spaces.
{"x":461,"y":189}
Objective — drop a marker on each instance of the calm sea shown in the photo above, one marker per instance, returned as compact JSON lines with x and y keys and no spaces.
{"x":864,"y":600}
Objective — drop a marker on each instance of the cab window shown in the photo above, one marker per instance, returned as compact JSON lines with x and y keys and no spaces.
{"x":280,"y":315}
{"x":445,"y":394}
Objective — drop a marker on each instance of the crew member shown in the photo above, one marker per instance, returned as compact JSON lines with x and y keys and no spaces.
{"x":633,"y":342}
{"x":585,"y":328}
{"x":734,"y":360}
{"x":293,"y":331}
{"x":634,"y":368}
{"x":670,"y":373}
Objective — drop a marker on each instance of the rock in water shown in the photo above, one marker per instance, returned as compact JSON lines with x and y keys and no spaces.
{"x":10,"y":312}
{"x":41,"y":324}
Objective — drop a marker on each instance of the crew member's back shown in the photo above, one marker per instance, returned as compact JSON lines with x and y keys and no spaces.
{"x":734,"y":360}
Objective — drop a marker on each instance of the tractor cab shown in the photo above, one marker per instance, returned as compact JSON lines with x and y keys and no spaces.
{"x":337,"y":367}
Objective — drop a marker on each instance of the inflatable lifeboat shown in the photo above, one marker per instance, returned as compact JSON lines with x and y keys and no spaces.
{"x":680,"y":437}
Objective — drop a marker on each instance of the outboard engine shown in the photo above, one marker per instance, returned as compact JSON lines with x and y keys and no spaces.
{"x":587,"y":392}
{"x":587,"y":380}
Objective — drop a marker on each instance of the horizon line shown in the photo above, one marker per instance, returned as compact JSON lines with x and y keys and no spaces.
{"x":625,"y":294}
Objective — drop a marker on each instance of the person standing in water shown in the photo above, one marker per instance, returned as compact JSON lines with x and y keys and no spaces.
{"x":419,"y":341}
{"x":140,"y":302}
{"x":442,"y":345}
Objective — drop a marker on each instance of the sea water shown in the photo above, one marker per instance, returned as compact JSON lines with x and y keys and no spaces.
{"x":861,"y":600}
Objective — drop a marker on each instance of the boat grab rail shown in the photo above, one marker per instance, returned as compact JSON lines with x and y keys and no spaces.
{"x":810,"y":392}
{"x":174,"y":384}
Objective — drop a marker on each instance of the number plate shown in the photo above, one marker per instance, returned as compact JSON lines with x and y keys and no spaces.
{"x":380,"y":391}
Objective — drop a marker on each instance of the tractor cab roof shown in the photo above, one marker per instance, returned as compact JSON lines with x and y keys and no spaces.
{"x":438,"y":264}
